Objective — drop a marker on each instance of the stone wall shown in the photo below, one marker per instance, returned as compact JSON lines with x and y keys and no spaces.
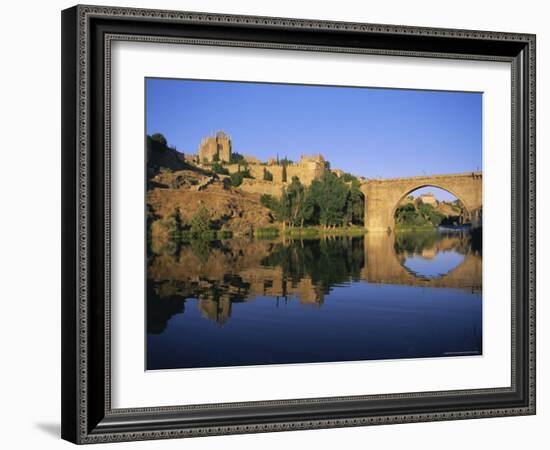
{"x":307,"y":169}
{"x":262,"y":187}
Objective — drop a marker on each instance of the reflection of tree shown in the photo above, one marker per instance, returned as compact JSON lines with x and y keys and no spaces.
{"x":414,"y":243}
{"x":326,"y":261}
{"x":160,"y":310}
{"x":201,"y":249}
{"x":215,"y":274}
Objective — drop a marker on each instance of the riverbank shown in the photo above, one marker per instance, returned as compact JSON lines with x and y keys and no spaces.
{"x":310,"y":231}
{"x":409,"y":228}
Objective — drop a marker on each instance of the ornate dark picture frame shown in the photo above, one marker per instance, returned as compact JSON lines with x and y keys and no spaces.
{"x":87,"y":33}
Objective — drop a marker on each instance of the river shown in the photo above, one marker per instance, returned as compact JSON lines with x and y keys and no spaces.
{"x":250,"y":302}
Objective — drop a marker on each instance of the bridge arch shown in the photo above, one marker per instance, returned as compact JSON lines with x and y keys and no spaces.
{"x":384,"y":195}
{"x":421,"y":186}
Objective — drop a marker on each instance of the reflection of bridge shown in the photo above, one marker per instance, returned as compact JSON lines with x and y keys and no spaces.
{"x":383,"y":196}
{"x":383,"y":266}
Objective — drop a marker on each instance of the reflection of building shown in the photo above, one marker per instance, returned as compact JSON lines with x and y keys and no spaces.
{"x":218,"y":310}
{"x":216,"y":147}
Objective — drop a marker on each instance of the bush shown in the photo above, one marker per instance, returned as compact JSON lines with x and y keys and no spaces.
{"x":218,"y":168}
{"x":238,"y":177}
{"x":200,"y":222}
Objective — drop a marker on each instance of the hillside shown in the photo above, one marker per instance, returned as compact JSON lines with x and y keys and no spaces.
{"x":230,"y":208}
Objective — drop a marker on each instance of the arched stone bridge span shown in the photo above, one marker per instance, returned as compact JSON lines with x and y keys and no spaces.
{"x":382,"y":196}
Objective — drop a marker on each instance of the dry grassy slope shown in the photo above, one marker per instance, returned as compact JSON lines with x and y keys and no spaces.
{"x":447,"y":210}
{"x":232,"y":208}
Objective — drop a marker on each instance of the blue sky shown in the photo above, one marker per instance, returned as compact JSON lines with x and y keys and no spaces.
{"x":365,"y":131}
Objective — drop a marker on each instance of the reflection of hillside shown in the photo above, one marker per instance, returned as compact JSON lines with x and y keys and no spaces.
{"x":222,"y":273}
{"x":238,"y":271}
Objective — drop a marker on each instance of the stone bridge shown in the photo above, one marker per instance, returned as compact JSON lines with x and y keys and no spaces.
{"x":383,"y":266}
{"x":382,"y":196}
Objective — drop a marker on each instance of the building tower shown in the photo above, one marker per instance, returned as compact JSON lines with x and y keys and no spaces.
{"x":218,"y":145}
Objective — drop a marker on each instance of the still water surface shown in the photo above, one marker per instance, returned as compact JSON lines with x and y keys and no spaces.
{"x":250,"y":302}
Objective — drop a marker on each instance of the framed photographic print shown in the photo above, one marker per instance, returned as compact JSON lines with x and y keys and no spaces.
{"x":278,"y":224}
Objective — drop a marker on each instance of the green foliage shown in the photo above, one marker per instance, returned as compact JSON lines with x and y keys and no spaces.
{"x":238,"y":177}
{"x":160,"y":139}
{"x":330,"y":194}
{"x":356,"y":203}
{"x":329,"y":202}
{"x":236,"y":158}
{"x":219,"y":168}
{"x":326,"y":262}
{"x":156,"y":143}
{"x":348,"y":177}
{"x":266,"y":233}
{"x":201,"y":249}
{"x":224,"y":234}
{"x":216,"y":158}
{"x":421,"y":215}
{"x":175,"y":224}
{"x":300,"y":203}
{"x":414,"y":242}
{"x":200,"y":222}
{"x":199,"y":229}
{"x":268,"y":201}
{"x":151,"y":217}
{"x":279,"y":208}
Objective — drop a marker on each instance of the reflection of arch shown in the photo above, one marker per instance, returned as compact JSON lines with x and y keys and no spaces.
{"x":437,"y":251}
{"x":382,"y":266}
{"x":421,"y":277}
{"x":382,"y":196}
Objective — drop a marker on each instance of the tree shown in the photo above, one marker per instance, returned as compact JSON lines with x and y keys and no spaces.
{"x":218,"y":168}
{"x":178,"y":221}
{"x":268,"y":176}
{"x":300,"y":206}
{"x":216,"y":158}
{"x":236,"y":158}
{"x":238,"y":177}
{"x":356,"y":202}
{"x":160,"y":139}
{"x":283,"y":176}
{"x":279,"y":207}
{"x":200,"y":222}
{"x":330,"y":195}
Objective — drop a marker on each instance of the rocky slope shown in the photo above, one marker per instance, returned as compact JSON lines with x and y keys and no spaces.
{"x":188,"y":189}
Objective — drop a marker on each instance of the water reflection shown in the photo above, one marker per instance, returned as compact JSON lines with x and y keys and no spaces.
{"x":350,"y":282}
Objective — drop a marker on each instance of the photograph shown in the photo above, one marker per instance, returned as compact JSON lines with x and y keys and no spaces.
{"x":296,"y":223}
{"x":279,"y":219}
